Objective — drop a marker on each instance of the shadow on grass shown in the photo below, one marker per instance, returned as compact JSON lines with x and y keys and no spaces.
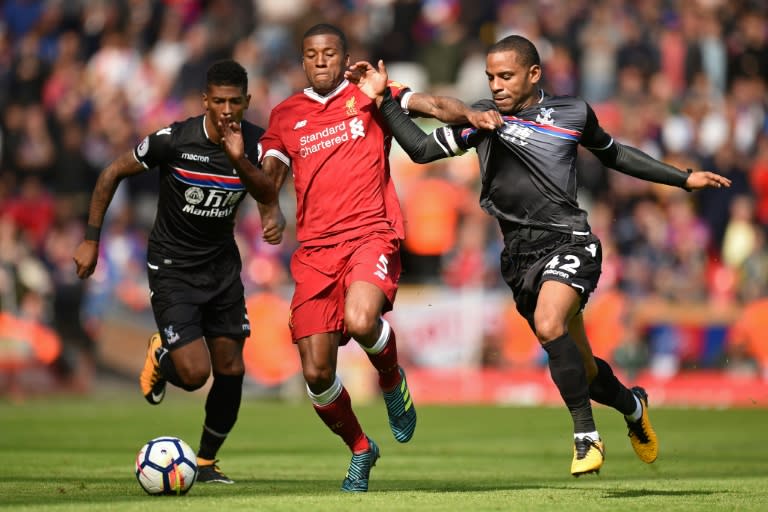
{"x":641,"y":493}
{"x":122,"y":490}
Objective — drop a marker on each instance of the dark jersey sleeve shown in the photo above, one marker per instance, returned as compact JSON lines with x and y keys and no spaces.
{"x":155,"y":148}
{"x":627,"y":159}
{"x":252,"y":140}
{"x":593,"y":137}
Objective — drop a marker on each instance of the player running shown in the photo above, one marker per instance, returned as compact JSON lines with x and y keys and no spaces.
{"x":193,"y":263}
{"x":349,"y":226}
{"x":551,"y":260}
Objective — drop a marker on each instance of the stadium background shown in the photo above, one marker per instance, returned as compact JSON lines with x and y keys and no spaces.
{"x":682,"y":304}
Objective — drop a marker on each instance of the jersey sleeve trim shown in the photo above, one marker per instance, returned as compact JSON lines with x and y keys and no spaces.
{"x":404,"y":101}
{"x":446,"y":139}
{"x":136,"y":157}
{"x":279,"y":155}
{"x":610,"y":143}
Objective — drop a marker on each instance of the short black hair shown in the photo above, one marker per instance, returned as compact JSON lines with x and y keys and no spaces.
{"x":526,"y":51}
{"x":227,"y":72}
{"x":327,"y":28}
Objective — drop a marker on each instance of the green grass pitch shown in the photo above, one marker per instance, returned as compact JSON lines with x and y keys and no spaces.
{"x":77,"y":454}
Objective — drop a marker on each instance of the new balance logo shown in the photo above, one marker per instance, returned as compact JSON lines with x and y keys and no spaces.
{"x":300,"y":124}
{"x":382,"y":267}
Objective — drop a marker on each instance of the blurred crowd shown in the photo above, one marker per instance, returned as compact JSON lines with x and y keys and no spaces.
{"x":686,"y":81}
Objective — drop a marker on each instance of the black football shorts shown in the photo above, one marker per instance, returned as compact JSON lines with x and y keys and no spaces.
{"x":203,"y":301}
{"x":532,"y":256}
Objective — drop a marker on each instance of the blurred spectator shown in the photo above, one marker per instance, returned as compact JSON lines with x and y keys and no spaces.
{"x":442,"y":41}
{"x":72,"y":175}
{"x":741,"y":232}
{"x":35,"y":153}
{"x":432,"y":207}
{"x":753,"y":273}
{"x":31,"y":211}
{"x":599,"y":39}
{"x":191,"y":76}
{"x":758,"y":177}
{"x":749,"y":46}
{"x":747,"y":349}
{"x":715,"y":209}
{"x":77,"y":359}
{"x":470,"y":263}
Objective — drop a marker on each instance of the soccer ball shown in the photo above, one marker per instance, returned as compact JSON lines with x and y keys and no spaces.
{"x":166,"y":465}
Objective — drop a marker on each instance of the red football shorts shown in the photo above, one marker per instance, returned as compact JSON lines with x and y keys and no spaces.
{"x":323,"y":276}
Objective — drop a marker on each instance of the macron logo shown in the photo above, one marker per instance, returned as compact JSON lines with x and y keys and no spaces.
{"x":300,"y":124}
{"x":195,"y":158}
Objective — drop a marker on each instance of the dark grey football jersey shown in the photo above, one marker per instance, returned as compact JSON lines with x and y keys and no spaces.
{"x":528,"y":165}
{"x":199,"y":193}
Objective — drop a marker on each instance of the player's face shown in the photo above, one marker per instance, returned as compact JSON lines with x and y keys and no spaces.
{"x":324,"y":62}
{"x":513,"y":85}
{"x":225,"y":103}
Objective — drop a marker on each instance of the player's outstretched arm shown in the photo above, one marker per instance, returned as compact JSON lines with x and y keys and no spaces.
{"x":87,"y":253}
{"x":373,"y":80}
{"x":422,"y":148}
{"x":453,"y":111}
{"x":632,"y":161}
{"x":705,"y":179}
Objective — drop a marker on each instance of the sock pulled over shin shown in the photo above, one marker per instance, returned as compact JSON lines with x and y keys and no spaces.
{"x":221,"y":408}
{"x":334,"y":407}
{"x":383,"y":356}
{"x":606,"y":389}
{"x":570,"y":377}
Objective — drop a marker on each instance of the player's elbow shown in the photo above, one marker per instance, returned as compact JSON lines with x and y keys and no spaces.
{"x":420,"y":158}
{"x":418,"y":153}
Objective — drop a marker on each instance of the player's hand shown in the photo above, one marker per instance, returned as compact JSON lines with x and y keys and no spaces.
{"x":372,"y":81}
{"x":273,"y":224}
{"x":485,"y":120}
{"x":231,"y":139}
{"x":705,"y":179}
{"x":85,"y":258}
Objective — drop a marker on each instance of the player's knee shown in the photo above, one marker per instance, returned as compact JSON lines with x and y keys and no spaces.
{"x":230,"y":366}
{"x":319,"y":377}
{"x":361,"y":325}
{"x":193,"y":377}
{"x":548,"y":329}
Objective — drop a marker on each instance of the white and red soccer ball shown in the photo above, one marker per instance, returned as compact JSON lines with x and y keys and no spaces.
{"x":166,"y":465}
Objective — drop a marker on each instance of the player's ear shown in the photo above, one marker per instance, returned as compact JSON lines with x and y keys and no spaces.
{"x":534,"y":73}
{"x":247,"y":100}
{"x":205,"y":102}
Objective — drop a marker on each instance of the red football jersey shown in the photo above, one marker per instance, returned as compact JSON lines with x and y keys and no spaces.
{"x":337,"y":146}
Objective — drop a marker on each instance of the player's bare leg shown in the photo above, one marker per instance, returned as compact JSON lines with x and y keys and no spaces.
{"x":362,"y":317}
